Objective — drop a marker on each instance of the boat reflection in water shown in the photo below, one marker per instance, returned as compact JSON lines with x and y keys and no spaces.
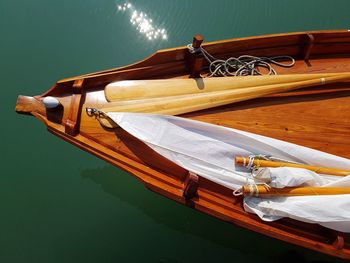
{"x":143,"y":23}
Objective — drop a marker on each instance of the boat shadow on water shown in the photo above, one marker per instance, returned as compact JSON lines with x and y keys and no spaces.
{"x":189,"y":222}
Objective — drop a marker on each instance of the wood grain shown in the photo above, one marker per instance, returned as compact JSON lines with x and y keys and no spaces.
{"x":318,"y":119}
{"x":142,"y":89}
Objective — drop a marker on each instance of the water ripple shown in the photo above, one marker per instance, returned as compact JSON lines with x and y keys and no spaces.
{"x":142,"y":22}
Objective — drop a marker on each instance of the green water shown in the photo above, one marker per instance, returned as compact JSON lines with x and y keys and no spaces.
{"x":60,"y":204}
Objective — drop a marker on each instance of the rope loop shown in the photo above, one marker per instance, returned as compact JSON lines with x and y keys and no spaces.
{"x":244,"y":65}
{"x":238,"y":192}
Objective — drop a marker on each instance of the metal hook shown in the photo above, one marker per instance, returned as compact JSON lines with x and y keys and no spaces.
{"x":94,"y":112}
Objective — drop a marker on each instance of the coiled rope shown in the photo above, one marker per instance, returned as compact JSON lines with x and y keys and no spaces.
{"x":243,"y":65}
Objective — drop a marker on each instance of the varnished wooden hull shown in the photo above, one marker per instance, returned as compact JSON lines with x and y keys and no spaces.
{"x":317,"y":118}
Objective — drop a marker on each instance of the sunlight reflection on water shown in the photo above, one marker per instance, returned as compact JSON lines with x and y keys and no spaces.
{"x":142,"y":22}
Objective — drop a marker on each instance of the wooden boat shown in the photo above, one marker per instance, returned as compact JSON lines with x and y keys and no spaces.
{"x":318,"y":118}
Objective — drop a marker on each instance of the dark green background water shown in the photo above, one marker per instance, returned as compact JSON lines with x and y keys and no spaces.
{"x":60,"y":204}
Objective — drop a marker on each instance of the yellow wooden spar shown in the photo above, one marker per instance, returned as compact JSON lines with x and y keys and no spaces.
{"x":265,"y":191}
{"x":317,"y":169}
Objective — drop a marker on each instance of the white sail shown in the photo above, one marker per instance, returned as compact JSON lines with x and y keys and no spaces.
{"x":209,"y":151}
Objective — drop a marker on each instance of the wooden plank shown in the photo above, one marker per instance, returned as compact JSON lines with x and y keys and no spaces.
{"x":318,"y":120}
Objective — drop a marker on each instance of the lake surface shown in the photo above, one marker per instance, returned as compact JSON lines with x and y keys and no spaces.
{"x":60,"y":204}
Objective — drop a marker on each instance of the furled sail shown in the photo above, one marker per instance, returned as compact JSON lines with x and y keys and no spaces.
{"x":209,"y":151}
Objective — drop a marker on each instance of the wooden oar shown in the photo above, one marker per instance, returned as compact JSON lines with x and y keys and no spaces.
{"x":142,"y":89}
{"x":264,"y":163}
{"x":187,"y":103}
{"x":264,"y":191}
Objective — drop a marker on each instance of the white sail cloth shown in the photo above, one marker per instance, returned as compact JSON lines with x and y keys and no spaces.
{"x":209,"y":151}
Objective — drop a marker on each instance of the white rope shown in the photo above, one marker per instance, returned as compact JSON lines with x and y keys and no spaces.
{"x":251,"y":189}
{"x":243,"y":65}
{"x":238,"y":192}
{"x":244,"y":162}
{"x":254,"y":189}
{"x":251,"y":162}
{"x":257,"y":190}
{"x":250,"y":165}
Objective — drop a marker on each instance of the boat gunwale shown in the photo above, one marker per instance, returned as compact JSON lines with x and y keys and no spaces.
{"x":151,"y":57}
{"x":198,"y":204}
